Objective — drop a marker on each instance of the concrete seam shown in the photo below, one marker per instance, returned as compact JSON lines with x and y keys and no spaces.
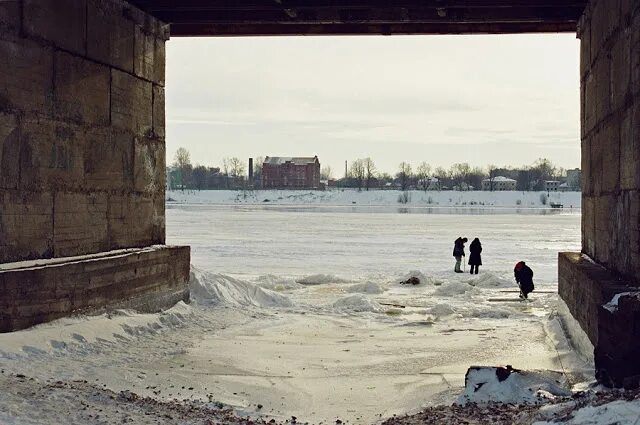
{"x":86,"y":28}
{"x":53,"y":224}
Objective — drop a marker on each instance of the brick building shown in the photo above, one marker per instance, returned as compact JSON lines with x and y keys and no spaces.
{"x":291,"y":173}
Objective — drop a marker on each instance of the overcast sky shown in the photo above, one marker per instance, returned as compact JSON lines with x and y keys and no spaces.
{"x":505,"y":100}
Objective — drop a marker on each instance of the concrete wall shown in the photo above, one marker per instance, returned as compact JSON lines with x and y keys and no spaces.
{"x":610,"y":261}
{"x":82,"y":152}
{"x":610,"y":102}
{"x":147,"y":280}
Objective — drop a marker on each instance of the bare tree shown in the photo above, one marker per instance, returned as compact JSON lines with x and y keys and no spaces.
{"x":441,"y":174}
{"x":369,"y":171}
{"x":422,"y":173}
{"x":404,"y":175}
{"x":460,"y":174}
{"x":182,"y":161}
{"x":237,"y":168}
{"x":326,"y":173}
{"x":357,"y":172}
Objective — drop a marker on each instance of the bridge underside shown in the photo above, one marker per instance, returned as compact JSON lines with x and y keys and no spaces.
{"x":82,"y":144}
{"x":360,"y":17}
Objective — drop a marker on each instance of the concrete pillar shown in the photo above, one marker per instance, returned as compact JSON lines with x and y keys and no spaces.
{"x":610,"y":103}
{"x":82,"y":150}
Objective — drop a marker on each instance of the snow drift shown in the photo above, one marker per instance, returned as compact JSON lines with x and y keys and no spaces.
{"x":211,"y":288}
{"x":320,"y":279}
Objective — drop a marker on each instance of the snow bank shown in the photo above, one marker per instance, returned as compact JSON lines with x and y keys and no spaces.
{"x":366,"y":288}
{"x":506,"y":385}
{"x":620,"y":412}
{"x":347,"y":197}
{"x":452,"y":289}
{"x":78,"y":332}
{"x":490,"y":280}
{"x":210,"y":288}
{"x":440,"y":310}
{"x":320,"y":279}
{"x":277,"y":283}
{"x":356,"y":303}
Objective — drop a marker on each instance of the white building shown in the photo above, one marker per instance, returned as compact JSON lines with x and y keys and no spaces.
{"x":551,"y":185}
{"x":499,"y":183}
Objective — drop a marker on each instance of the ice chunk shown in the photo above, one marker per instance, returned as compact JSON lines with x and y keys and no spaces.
{"x":320,"y":279}
{"x":357,"y":303}
{"x":366,"y":288}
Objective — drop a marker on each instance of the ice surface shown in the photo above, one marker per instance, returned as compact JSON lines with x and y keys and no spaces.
{"x":351,"y":343}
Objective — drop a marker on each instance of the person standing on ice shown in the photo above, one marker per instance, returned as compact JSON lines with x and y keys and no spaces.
{"x":458,"y":252}
{"x":524,"y":277}
{"x":475,"y":260}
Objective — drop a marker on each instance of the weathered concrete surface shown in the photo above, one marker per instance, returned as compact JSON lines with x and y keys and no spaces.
{"x":609,"y":32}
{"x":617,"y":354}
{"x":585,"y":287}
{"x":82,"y":149}
{"x":147,"y":280}
{"x":82,"y":161}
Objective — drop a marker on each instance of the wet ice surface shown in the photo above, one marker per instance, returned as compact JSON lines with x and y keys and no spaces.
{"x":302,"y":313}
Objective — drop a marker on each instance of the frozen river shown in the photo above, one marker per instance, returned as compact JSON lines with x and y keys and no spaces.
{"x":299,"y":311}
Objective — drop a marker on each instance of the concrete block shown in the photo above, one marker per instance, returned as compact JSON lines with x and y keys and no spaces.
{"x":159,"y":61}
{"x":81,"y":90}
{"x":144,"y":54}
{"x":147,"y":280}
{"x":62,"y":22}
{"x":621,"y":70}
{"x":51,"y":155}
{"x":149,"y":165}
{"x":148,"y":23}
{"x":606,"y":238}
{"x":9,"y":151}
{"x":80,"y":223}
{"x":610,"y":157}
{"x":585,"y":49}
{"x":10,"y":14}
{"x":108,"y":160}
{"x":588,"y":226}
{"x":635,"y":55}
{"x":605,"y":19}
{"x":596,"y":152}
{"x":26,"y":225}
{"x":590,"y":103}
{"x":131,"y":103}
{"x":135,"y":220}
{"x":602,"y":74}
{"x":587,"y":180}
{"x":630,"y":149}
{"x":158,"y":112}
{"x":26,"y":72}
{"x":110,"y":35}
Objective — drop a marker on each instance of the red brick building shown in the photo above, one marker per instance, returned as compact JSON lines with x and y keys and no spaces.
{"x":291,"y":173}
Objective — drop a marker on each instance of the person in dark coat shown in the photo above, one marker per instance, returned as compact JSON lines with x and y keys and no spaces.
{"x":475,"y":260}
{"x":458,"y":252}
{"x":524,"y":277}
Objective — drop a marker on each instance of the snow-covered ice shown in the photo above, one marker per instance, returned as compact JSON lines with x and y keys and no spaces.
{"x":302,"y":312}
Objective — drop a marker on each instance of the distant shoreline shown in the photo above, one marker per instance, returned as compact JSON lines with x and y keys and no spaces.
{"x":413,"y":200}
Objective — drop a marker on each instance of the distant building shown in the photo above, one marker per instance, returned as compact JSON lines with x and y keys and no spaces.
{"x":499,"y":183}
{"x":291,"y":173}
{"x":551,"y":185}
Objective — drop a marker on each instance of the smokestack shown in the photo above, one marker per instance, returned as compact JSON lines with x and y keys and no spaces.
{"x":345,"y":170}
{"x":250,"y":170}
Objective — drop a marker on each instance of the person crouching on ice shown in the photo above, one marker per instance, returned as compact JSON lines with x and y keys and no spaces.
{"x":524,"y":277}
{"x":458,"y":252}
{"x":475,"y":260}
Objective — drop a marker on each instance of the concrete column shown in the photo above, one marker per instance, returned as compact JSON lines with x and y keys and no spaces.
{"x":609,"y":32}
{"x":82,"y":149}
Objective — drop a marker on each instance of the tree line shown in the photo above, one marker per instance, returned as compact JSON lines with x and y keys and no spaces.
{"x":362,"y":174}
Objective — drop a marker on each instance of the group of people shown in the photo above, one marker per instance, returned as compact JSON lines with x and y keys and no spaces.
{"x":522,"y":273}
